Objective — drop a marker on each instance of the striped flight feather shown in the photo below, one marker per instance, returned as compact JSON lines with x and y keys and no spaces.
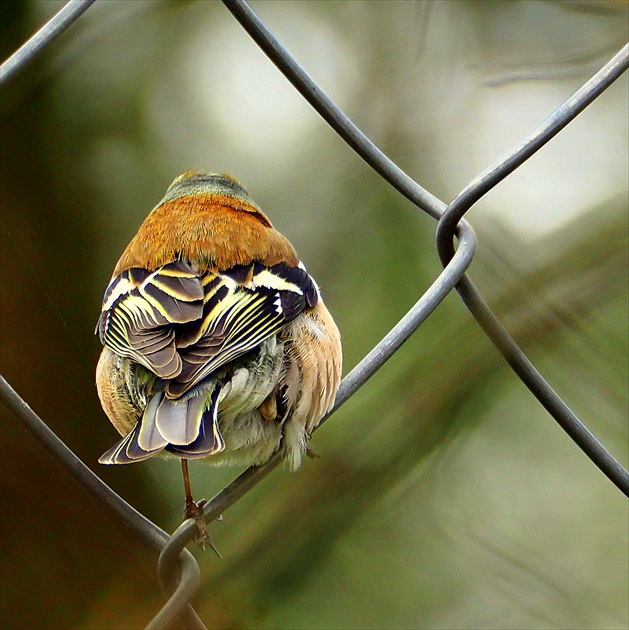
{"x":266,"y":278}
{"x":181,"y":324}
{"x":183,"y":290}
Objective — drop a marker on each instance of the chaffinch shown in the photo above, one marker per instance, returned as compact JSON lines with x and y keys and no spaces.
{"x":217,"y":344}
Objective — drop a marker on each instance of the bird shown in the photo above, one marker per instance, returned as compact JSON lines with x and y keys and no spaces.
{"x":217,"y":344}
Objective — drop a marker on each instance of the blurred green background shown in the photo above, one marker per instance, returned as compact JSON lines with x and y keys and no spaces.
{"x":444,"y":497}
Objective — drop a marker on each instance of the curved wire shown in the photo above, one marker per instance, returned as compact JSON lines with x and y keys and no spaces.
{"x":542,"y":134}
{"x":447,"y":224}
{"x":175,"y":559}
{"x":404,"y":184}
{"x":381,"y":353}
{"x":116,"y":505}
{"x":34,"y":46}
{"x":179,"y":591}
{"x":324,"y":106}
{"x":509,"y":349}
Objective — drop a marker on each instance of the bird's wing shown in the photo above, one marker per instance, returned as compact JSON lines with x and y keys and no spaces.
{"x":243,"y":306}
{"x":183,"y":324}
{"x":141,"y":310}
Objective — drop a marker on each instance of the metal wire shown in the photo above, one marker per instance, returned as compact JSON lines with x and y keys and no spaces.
{"x":70,"y":12}
{"x":324,"y":106}
{"x":385,"y":349}
{"x":112,"y":502}
{"x":509,"y":349}
{"x":452,"y":218}
{"x":178,"y":571}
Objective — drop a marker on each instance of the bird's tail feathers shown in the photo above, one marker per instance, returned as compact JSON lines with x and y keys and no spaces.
{"x":184,"y":428}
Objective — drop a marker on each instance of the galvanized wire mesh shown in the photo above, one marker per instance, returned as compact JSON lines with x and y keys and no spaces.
{"x":456,"y":245}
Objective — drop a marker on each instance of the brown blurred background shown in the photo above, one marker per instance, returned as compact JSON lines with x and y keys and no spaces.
{"x":445,"y":497}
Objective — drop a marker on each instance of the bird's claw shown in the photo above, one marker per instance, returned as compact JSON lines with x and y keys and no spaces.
{"x":194,"y":510}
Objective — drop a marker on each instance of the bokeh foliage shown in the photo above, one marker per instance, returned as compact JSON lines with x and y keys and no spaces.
{"x":444,"y":495}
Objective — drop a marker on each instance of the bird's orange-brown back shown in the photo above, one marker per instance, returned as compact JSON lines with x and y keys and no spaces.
{"x":206,"y":229}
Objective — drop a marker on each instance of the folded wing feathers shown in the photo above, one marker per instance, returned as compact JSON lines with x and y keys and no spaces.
{"x":183,"y":325}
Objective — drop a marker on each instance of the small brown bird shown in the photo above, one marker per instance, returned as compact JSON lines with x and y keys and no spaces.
{"x":217,"y":344}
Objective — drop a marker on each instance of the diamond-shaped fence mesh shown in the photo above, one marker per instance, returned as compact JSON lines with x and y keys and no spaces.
{"x":456,"y":246}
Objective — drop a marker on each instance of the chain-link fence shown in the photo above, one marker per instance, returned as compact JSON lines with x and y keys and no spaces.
{"x":456,"y":246}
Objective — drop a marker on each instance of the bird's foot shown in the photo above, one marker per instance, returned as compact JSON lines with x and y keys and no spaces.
{"x":194,"y":510}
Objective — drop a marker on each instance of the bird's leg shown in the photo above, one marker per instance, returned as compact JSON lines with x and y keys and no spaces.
{"x":194,"y":509}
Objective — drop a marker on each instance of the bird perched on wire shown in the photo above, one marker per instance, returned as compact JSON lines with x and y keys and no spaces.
{"x":217,"y":344}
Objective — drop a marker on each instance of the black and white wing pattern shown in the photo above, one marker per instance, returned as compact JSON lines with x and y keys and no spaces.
{"x":243,"y":306}
{"x":141,"y":310}
{"x":183,"y":325}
